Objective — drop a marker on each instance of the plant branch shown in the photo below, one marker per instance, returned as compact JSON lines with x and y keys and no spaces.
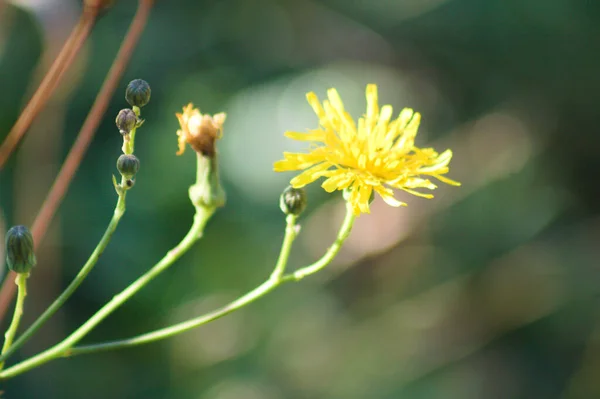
{"x":269,"y":285}
{"x":331,"y":253}
{"x":83,"y":140}
{"x":200,"y":219}
{"x":21,"y":283}
{"x":83,"y":273}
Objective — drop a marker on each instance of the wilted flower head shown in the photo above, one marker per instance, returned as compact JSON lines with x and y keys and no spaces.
{"x":373,"y":156}
{"x":199,"y":130}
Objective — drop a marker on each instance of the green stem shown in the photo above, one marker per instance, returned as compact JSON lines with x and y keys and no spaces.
{"x":85,"y":270}
{"x":333,"y":250}
{"x":284,"y":254}
{"x":65,"y":348}
{"x":277,"y":278}
{"x":273,"y":282}
{"x":21,"y":282}
{"x":200,"y":218}
{"x":171,"y":331}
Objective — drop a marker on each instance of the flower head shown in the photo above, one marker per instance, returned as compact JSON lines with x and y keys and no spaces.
{"x":199,"y":130}
{"x":376,"y":155}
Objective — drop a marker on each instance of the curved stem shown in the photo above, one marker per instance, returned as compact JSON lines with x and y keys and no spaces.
{"x":167,"y":332}
{"x":284,"y":254}
{"x":333,"y":250}
{"x":21,"y":282}
{"x":65,"y":348}
{"x":85,"y":270}
{"x":277,"y":278}
{"x":66,"y":294}
{"x":69,"y":167}
{"x":273,"y":282}
{"x":200,"y":219}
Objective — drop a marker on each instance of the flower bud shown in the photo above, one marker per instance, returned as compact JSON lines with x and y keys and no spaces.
{"x":128,"y":165}
{"x":20,"y":257}
{"x":293,"y":201}
{"x":126,"y":121}
{"x":137,"y":93}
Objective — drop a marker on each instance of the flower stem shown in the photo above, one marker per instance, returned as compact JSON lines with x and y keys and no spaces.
{"x":284,"y":254}
{"x":21,"y":282}
{"x":85,"y":270}
{"x":273,"y":282}
{"x":277,"y":278}
{"x":66,"y":349}
{"x":66,"y":294}
{"x":200,"y":219}
{"x":84,"y":138}
{"x":331,"y":253}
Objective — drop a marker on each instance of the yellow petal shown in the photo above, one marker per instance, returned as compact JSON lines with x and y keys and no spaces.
{"x":310,"y":175}
{"x":418,"y":194}
{"x":417,"y":182}
{"x":446,"y":180}
{"x":313,"y":135}
{"x":372,"y":105}
{"x":388,"y":196}
{"x":314,"y":102}
{"x":407,"y":140}
{"x":338,"y":181}
{"x":364,"y":195}
{"x":297,"y":161}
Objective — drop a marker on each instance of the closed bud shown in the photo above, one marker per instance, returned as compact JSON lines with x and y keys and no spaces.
{"x":126,"y":121}
{"x":128,"y":165}
{"x":20,"y":257}
{"x":137,"y":93}
{"x":293,"y":201}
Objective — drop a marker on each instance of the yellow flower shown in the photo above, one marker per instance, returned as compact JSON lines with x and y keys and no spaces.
{"x":199,"y":131}
{"x":373,"y":156}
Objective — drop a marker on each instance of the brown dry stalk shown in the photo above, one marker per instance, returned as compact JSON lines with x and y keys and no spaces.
{"x":69,"y":167}
{"x":50,"y":82}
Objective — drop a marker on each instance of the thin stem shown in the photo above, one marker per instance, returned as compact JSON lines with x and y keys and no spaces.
{"x":50,"y":82}
{"x":21,"y":282}
{"x":269,"y":285}
{"x":284,"y":254}
{"x":273,"y":282}
{"x":65,"y":349}
{"x":85,"y":270}
{"x":67,"y":171}
{"x":176,"y":329}
{"x":333,"y":250}
{"x":200,"y":219}
{"x":66,"y":294}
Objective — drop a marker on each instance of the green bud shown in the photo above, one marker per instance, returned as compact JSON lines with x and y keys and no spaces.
{"x":126,"y":121}
{"x":293,"y":201}
{"x":137,"y":93}
{"x":128,"y":165}
{"x":20,"y":257}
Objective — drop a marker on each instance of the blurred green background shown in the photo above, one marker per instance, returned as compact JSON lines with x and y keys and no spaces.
{"x":488,"y":291}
